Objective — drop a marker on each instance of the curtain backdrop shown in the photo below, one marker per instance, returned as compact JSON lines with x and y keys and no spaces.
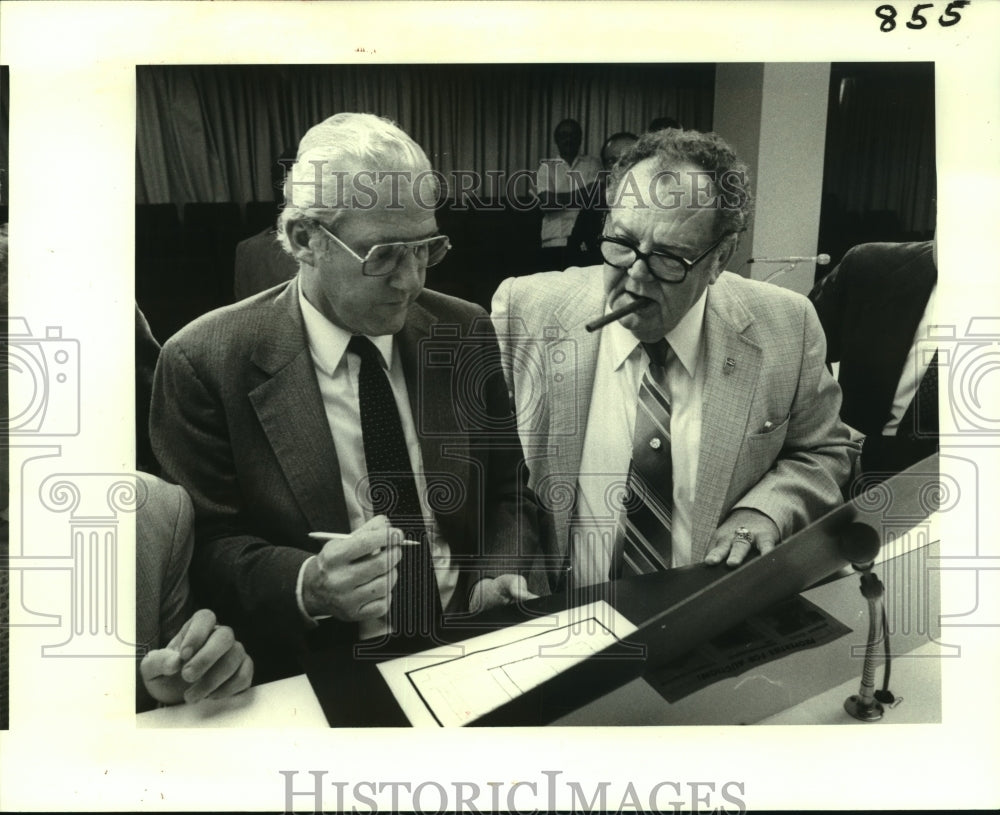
{"x":212,"y":133}
{"x":880,"y":150}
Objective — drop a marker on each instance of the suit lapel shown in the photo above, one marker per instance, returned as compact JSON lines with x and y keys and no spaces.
{"x":290,"y":409}
{"x":733,"y":365}
{"x":571,"y":364}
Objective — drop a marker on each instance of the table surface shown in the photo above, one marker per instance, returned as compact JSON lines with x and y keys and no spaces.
{"x":804,"y":687}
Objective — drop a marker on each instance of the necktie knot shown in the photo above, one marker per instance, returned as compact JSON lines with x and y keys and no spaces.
{"x":362,"y":346}
{"x":657,"y":351}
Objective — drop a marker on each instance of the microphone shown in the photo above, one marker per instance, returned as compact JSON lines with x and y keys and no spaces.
{"x":820,"y":260}
{"x":859,"y":544}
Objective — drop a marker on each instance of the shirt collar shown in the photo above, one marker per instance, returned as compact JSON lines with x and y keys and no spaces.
{"x":328,"y":342}
{"x":570,"y":164}
{"x":684,"y":338}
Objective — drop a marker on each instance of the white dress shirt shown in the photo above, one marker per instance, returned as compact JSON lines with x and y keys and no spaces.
{"x":337,"y":375}
{"x":917,"y":361}
{"x":607,"y":446}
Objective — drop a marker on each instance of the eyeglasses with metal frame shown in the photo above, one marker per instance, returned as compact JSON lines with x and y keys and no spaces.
{"x":664,"y":266}
{"x":383,"y":258}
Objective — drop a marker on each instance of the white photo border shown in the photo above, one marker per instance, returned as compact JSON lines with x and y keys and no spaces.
{"x":73,"y":744}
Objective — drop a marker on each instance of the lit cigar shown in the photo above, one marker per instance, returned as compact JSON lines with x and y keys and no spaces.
{"x":617,"y":314}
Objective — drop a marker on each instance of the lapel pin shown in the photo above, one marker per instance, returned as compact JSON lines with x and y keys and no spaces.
{"x":728,"y":367}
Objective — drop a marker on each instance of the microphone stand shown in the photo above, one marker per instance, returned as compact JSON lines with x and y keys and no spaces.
{"x":863,"y":705}
{"x":791,"y":264}
{"x":783,"y":270}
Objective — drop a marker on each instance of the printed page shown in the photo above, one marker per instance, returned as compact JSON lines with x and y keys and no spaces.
{"x":437,"y":688}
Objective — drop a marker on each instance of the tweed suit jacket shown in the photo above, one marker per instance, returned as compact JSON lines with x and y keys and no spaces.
{"x":237,"y":418}
{"x":764,"y":350}
{"x":164,"y":532}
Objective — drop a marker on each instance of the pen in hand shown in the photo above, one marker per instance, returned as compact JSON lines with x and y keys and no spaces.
{"x":332,"y":536}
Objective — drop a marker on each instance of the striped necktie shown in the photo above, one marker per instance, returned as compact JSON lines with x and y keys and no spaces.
{"x":643,"y":539}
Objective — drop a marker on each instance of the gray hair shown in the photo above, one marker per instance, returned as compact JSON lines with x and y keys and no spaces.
{"x":334,"y":154}
{"x":707,"y":151}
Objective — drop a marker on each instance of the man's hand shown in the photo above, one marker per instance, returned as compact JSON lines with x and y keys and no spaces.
{"x":352,"y":578}
{"x":499,"y":591}
{"x":725,"y":543}
{"x":203,"y":661}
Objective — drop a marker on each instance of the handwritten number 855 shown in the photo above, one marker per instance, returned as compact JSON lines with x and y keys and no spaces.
{"x":887,"y":14}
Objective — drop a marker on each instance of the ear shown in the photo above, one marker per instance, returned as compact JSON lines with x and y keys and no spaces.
{"x":723,"y":255}
{"x":300,"y":241}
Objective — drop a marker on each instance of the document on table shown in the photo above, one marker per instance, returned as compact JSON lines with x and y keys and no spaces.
{"x":453,"y":685}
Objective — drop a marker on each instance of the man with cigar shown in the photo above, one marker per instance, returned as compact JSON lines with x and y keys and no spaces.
{"x":346,"y":480}
{"x":700,"y":423}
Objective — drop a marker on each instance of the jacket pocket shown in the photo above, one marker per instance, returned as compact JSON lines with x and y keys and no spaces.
{"x":768,"y":442}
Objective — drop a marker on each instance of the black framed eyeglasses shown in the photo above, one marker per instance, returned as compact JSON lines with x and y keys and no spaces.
{"x":383,"y":258}
{"x":664,"y":266}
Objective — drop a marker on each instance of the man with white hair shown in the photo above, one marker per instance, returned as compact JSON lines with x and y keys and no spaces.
{"x":346,"y":438}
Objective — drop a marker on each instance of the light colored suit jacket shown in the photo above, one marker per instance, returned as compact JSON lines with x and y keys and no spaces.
{"x":237,"y":419}
{"x":164,"y":532}
{"x":764,"y":352}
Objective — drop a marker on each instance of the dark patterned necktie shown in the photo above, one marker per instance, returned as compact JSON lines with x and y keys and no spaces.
{"x":392,"y":490}
{"x":644,"y":541}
